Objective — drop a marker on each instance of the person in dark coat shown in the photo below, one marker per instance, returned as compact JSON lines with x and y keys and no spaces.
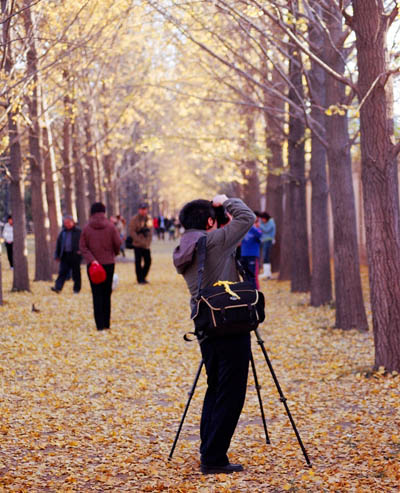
{"x":68,"y":254}
{"x":100,"y":243}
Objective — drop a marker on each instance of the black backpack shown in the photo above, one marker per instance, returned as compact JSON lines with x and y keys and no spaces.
{"x":226,"y":308}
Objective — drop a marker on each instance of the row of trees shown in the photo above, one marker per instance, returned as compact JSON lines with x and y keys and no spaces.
{"x":167,"y":100}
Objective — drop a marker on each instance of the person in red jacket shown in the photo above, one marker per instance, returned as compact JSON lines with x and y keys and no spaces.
{"x":100,"y":243}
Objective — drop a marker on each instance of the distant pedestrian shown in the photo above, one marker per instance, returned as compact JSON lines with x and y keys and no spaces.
{"x":140,"y":230}
{"x":120,"y":224}
{"x":250,"y":253}
{"x":161,"y":227}
{"x":100,"y":243}
{"x":268,"y":228}
{"x":8,"y":235}
{"x":68,"y":254}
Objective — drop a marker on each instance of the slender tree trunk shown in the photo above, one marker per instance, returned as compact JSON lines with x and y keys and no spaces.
{"x":300,"y":266}
{"x":379,"y":179}
{"x":350,"y":311}
{"x":108,"y":166}
{"x":1,"y":279}
{"x":69,"y":205}
{"x":89,"y":155}
{"x":321,"y":282}
{"x":285,"y":266}
{"x":43,"y":271}
{"x":274,"y":139}
{"x":52,"y":190}
{"x":20,"y":251}
{"x":80,"y":182}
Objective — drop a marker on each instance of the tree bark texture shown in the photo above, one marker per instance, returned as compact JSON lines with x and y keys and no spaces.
{"x":89,"y":155}
{"x":300,"y":266}
{"x":20,"y":251}
{"x":350,"y":311}
{"x":43,"y":270}
{"x":285,"y":265}
{"x":379,"y":179}
{"x":80,"y":182}
{"x":274,"y":139}
{"x":321,"y":280}
{"x":69,"y":205}
{"x":109,"y":182}
{"x":52,"y":189}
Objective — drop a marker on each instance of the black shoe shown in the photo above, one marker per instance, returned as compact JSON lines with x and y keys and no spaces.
{"x":55,"y":289}
{"x":227,"y":469}
{"x":143,"y":282}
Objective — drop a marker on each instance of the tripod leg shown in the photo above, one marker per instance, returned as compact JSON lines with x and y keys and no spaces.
{"x":253,"y":366}
{"x":186,"y":409}
{"x":282,"y":397}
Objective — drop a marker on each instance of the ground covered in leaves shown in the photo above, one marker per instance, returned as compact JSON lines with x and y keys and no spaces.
{"x":82,"y":410}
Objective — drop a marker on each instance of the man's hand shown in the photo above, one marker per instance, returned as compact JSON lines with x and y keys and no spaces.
{"x":218,"y":200}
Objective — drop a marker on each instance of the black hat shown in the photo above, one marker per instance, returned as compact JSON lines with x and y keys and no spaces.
{"x":143,"y":205}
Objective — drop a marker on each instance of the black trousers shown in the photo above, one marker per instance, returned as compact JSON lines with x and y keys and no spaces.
{"x":101,"y":294}
{"x":9,"y":248}
{"x":227,"y":363}
{"x":142,"y":263}
{"x":69,"y":262}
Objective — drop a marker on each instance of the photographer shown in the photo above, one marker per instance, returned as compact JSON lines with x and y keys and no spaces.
{"x":141,"y":234}
{"x":226,"y":358}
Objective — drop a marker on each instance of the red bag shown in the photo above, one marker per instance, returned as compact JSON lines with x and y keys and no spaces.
{"x":97,"y":273}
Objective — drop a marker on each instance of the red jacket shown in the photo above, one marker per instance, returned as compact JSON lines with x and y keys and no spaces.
{"x":100,"y":240}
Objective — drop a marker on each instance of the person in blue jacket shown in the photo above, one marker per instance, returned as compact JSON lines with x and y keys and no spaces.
{"x":250,"y":253}
{"x":268,"y":229}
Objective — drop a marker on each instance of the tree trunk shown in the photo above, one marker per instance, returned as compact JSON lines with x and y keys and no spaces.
{"x":69,"y":205}
{"x":300,"y":266}
{"x":52,"y":190}
{"x":1,"y":279}
{"x":20,"y":251}
{"x":379,"y":179}
{"x":285,"y":266}
{"x":251,"y":189}
{"x":350,"y":311}
{"x":109,"y":183}
{"x":43,"y":271}
{"x":274,"y":139}
{"x":321,"y":282}
{"x":89,"y":155}
{"x":80,"y":182}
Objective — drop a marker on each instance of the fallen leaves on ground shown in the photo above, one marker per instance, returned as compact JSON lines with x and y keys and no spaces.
{"x":83,"y":410}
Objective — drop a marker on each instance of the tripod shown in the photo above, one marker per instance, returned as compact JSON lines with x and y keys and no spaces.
{"x":278,"y":387}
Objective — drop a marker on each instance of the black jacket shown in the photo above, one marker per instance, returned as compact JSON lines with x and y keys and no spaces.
{"x":60,"y":247}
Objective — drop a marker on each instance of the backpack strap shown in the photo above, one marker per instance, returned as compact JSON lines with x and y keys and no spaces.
{"x":201,"y":260}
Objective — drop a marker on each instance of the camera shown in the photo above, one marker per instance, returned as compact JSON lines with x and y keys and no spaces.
{"x":221,"y":216}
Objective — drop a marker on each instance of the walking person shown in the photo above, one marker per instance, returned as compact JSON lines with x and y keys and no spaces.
{"x":140,"y":231}
{"x":250,"y":253}
{"x":226,"y":358}
{"x":100,"y":243}
{"x":8,"y":235}
{"x":68,"y":254}
{"x":268,"y":228}
{"x":120,"y":224}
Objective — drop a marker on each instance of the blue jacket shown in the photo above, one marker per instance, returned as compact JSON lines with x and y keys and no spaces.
{"x":268,"y":230}
{"x":251,"y":243}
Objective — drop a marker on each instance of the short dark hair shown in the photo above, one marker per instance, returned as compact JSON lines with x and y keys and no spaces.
{"x":265,"y":215}
{"x":97,"y":207}
{"x":195,"y":214}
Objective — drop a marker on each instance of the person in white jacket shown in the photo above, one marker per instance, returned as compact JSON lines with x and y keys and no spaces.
{"x":8,"y":235}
